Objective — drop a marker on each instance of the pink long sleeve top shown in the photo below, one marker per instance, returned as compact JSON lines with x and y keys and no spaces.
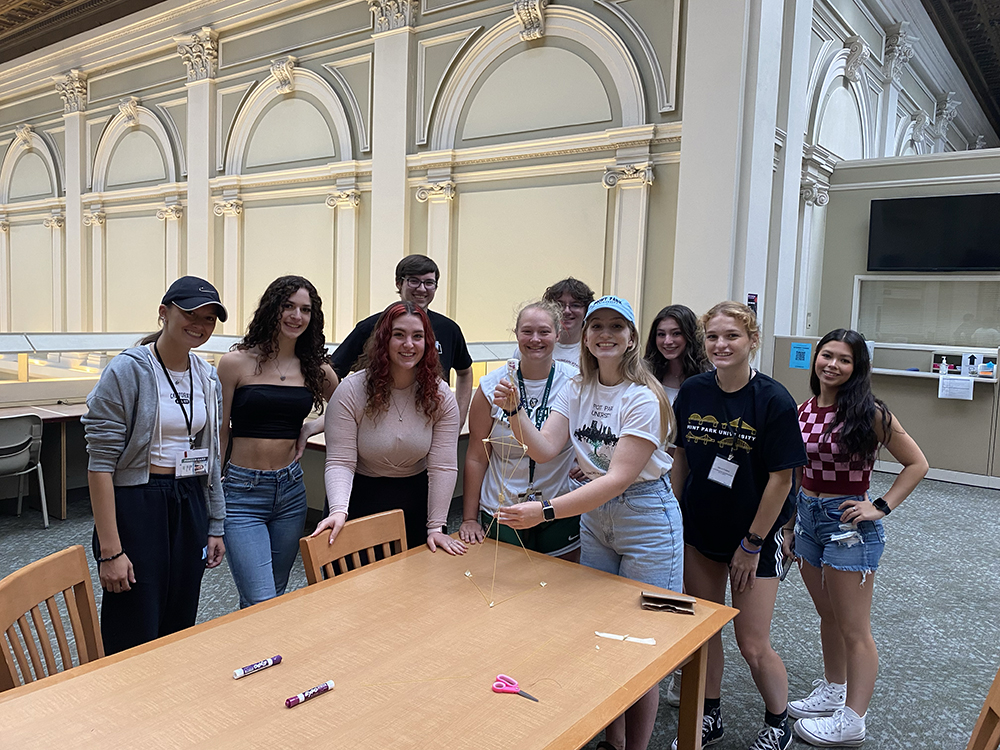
{"x":399,"y":443}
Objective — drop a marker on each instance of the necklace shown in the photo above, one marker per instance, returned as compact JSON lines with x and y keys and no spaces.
{"x":280,"y":373}
{"x":392,"y":398}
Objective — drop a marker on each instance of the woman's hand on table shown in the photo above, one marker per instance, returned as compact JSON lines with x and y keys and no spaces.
{"x":216,"y":551}
{"x":743,"y":569}
{"x":471,"y":532}
{"x":116,"y":575}
{"x":521,"y":515}
{"x":335,"y":522}
{"x":436,"y":539}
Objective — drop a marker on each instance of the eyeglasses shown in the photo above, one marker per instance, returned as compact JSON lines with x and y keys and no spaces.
{"x":414,"y":283}
{"x":574,"y":306}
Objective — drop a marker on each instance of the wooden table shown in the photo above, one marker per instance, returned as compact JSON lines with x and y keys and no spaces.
{"x":413,"y":647}
{"x":56,"y":421}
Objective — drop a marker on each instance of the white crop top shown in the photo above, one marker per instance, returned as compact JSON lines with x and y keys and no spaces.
{"x":171,"y":434}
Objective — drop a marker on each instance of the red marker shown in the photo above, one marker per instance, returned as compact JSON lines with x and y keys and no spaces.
{"x":310,"y":693}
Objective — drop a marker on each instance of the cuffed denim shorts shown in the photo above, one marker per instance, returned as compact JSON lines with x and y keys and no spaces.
{"x":821,"y":538}
{"x":638,"y":534}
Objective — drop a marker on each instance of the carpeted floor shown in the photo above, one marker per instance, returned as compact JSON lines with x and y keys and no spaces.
{"x":935,"y":617}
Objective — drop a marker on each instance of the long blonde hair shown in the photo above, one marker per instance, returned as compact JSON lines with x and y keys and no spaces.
{"x":634,"y":369}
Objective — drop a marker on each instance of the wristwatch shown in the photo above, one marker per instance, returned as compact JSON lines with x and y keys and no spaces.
{"x":882,"y":505}
{"x":547,"y":510}
{"x":754,"y":539}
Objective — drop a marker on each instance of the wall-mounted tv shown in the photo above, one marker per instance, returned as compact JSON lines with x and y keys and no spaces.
{"x":945,"y":233}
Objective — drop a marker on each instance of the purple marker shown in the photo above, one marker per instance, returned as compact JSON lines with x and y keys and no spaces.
{"x":244,"y":671}
{"x":310,"y":693}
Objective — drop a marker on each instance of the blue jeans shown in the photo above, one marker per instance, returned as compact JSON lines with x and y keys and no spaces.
{"x":265,"y":516}
{"x":821,"y":539}
{"x":638,"y":534}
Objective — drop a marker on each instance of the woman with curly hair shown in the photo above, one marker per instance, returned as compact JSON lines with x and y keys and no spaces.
{"x":271,"y":380}
{"x":838,"y":533}
{"x":674,"y":350}
{"x":392,"y":434}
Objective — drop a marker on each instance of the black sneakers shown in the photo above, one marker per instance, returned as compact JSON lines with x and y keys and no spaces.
{"x":712,"y":730}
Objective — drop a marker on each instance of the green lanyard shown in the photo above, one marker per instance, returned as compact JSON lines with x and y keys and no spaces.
{"x":540,"y":415}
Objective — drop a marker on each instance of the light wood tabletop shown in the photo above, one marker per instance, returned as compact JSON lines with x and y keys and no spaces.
{"x":413,"y":647}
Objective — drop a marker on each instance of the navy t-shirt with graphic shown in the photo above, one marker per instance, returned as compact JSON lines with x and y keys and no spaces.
{"x":758,"y":426}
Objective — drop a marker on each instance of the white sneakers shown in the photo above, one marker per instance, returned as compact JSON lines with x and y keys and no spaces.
{"x":845,"y":727}
{"x":824,"y":700}
{"x":674,"y":689}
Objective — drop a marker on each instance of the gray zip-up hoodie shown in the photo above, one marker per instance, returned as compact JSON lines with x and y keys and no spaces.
{"x":122,"y":413}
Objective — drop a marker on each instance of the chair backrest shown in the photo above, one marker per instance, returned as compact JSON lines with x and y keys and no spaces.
{"x":24,"y":625}
{"x":20,"y":443}
{"x":986,"y":734}
{"x":383,"y":531}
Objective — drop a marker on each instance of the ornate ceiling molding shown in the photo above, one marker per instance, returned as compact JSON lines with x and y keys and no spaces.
{"x":72,"y":89}
{"x":344,"y":199}
{"x":228,"y":208}
{"x":390,"y":15}
{"x":200,"y":52}
{"x":641,"y":174}
{"x":857,"y":53}
{"x":436,"y":192}
{"x":898,"y":50}
{"x":283,"y":71}
{"x":531,"y":15}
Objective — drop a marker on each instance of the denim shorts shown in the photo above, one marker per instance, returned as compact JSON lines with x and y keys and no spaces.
{"x":822,"y":539}
{"x":638,"y":534}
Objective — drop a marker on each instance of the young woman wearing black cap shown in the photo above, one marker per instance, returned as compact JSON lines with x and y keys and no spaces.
{"x":152,"y":429}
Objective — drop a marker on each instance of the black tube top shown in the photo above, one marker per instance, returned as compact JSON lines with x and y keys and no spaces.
{"x":270,"y":411}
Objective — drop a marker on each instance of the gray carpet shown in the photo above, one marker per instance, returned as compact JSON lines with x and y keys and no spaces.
{"x":935,"y":617}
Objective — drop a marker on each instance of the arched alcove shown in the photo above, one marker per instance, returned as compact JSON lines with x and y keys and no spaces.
{"x":552,"y":88}
{"x":840,"y":125}
{"x":313,"y":96}
{"x":30,"y":178}
{"x":136,"y":158}
{"x":291,"y":130}
{"x":564,"y":22}
{"x":141,"y":136}
{"x":28,"y":170}
{"x":832,"y":95}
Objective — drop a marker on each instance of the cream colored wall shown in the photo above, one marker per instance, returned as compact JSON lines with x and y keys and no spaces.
{"x":31,"y":297}
{"x":135,"y":272}
{"x":855,"y":184}
{"x":514,"y":243}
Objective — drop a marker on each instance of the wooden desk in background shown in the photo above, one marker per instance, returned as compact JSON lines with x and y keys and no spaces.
{"x":56,"y":420}
{"x":413,"y":647}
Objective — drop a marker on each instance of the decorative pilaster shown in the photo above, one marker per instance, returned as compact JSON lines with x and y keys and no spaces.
{"x":4,"y":274}
{"x":898,"y":51}
{"x":96,"y":219}
{"x":390,"y":15}
{"x":921,"y":131}
{"x":628,"y":253}
{"x":857,"y":53}
{"x":72,"y":88}
{"x":439,"y":195}
{"x":531,"y":15}
{"x":200,"y":52}
{"x":814,"y":193}
{"x":944,"y":115}
{"x":129,"y":109}
{"x":436,"y":192}
{"x":171,"y":215}
{"x":346,"y":203}
{"x":980,"y":142}
{"x":232,"y":241}
{"x":283,"y":71}
{"x":5,"y":225}
{"x":56,"y":223}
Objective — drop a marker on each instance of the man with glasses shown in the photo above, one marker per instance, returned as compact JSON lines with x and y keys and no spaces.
{"x":574,"y":297}
{"x":417,"y":279}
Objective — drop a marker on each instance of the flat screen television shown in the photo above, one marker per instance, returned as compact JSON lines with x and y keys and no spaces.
{"x":944,"y":233}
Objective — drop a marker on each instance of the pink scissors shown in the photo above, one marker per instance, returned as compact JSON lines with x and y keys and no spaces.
{"x":505,"y":684}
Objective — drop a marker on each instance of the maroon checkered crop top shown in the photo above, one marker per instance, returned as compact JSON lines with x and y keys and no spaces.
{"x":828,"y":471}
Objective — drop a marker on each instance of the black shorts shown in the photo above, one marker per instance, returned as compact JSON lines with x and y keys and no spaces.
{"x":770,"y":560}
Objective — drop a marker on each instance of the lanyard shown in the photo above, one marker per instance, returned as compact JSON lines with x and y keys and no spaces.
{"x":731,"y":431}
{"x":170,"y":382}
{"x":540,"y":415}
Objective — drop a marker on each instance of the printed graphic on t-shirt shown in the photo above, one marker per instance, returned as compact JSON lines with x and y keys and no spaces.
{"x":185,"y":397}
{"x":709,"y":430}
{"x":601,"y":439}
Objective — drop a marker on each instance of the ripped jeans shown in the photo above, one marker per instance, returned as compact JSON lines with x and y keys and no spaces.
{"x":822,"y":539}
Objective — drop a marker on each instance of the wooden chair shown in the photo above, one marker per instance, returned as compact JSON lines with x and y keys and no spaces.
{"x":385,"y":530}
{"x":986,"y":734}
{"x":21,"y":596}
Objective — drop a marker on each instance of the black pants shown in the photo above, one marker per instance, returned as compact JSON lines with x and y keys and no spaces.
{"x":163,"y":526}
{"x":371,"y":495}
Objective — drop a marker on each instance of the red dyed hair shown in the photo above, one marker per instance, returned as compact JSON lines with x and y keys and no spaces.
{"x":378,"y":387}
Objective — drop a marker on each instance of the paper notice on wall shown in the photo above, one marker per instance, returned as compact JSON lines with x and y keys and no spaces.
{"x":955,"y":386}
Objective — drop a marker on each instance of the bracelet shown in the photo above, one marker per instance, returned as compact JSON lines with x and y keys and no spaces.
{"x":109,"y":559}
{"x":750,"y":551}
{"x":509,"y":414}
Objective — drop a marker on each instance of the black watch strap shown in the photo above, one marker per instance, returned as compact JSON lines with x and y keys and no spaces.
{"x":754,"y":539}
{"x":882,"y":505}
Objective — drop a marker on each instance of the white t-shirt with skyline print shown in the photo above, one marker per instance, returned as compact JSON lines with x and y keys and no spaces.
{"x":599,"y":416}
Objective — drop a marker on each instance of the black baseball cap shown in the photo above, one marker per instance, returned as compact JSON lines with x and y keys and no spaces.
{"x":189,"y":293}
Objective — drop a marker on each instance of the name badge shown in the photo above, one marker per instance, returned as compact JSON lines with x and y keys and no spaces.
{"x":723,"y":471}
{"x":532,"y":495}
{"x":191,"y":463}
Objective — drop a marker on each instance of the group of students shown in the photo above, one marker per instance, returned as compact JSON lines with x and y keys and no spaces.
{"x":674,"y":467}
